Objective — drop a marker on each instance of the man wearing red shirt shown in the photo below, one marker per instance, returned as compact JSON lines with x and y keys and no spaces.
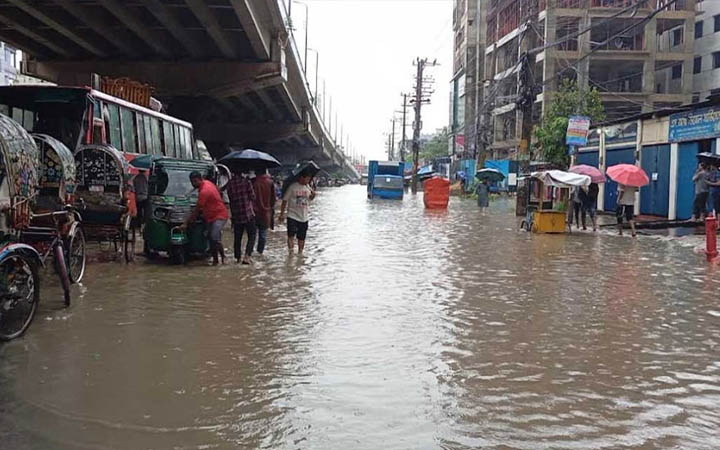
{"x":214,"y":212}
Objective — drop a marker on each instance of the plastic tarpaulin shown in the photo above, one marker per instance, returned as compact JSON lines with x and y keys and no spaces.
{"x":561,"y":179}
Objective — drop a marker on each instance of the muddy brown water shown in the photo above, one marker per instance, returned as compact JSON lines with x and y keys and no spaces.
{"x":400,"y":329}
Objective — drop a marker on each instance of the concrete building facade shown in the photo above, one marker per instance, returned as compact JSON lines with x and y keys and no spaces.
{"x":706,"y":49}
{"x":8,"y":64}
{"x":620,"y":57}
{"x":463,"y":94}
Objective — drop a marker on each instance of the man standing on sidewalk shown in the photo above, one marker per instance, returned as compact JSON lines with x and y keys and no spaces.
{"x":264,"y":207}
{"x":242,"y":196}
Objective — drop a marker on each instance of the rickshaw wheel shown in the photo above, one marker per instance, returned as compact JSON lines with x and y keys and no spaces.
{"x":19,"y":295}
{"x":75,"y":255}
{"x":129,"y":245}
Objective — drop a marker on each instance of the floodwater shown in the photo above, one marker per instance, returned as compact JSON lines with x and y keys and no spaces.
{"x":400,"y":329}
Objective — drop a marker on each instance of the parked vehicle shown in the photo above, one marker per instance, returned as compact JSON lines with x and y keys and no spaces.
{"x":105,"y":196}
{"x":385,"y":180}
{"x":20,"y":234}
{"x":171,"y":199}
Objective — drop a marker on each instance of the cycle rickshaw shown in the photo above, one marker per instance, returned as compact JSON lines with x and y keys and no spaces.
{"x":25,"y":244}
{"x":108,"y":203}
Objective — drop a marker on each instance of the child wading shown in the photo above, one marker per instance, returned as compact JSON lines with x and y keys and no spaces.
{"x":297,"y":202}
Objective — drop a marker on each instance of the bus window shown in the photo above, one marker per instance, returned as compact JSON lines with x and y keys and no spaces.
{"x":140,"y":127}
{"x":188,"y":139}
{"x":28,"y":120}
{"x":179,"y":152}
{"x":17,"y":115}
{"x":155,"y":134}
{"x":169,"y":139}
{"x":5,"y":110}
{"x":128,"y":130}
{"x":114,"y":122}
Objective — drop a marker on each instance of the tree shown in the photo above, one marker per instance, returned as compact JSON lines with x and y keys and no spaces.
{"x":436,"y":146}
{"x":551,"y":132}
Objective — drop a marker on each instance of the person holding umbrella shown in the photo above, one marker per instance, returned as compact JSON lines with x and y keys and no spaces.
{"x":629,"y":178}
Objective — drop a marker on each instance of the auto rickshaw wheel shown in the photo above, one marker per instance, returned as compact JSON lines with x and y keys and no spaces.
{"x":19,"y":295}
{"x":75,"y":255}
{"x":177,"y":255}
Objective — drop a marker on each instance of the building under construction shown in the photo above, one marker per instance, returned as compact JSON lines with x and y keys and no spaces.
{"x":621,"y":54}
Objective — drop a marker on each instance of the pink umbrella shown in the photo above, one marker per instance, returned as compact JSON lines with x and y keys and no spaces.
{"x":593,"y":172}
{"x":628,"y":175}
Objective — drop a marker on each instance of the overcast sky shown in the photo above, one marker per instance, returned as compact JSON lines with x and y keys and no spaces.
{"x":367,"y":49}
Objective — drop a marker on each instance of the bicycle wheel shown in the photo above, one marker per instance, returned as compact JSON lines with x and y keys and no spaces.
{"x":75,"y":255}
{"x":19,"y":295}
{"x":62,"y":271}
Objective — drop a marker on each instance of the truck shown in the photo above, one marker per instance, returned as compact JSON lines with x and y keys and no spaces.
{"x":385,"y":179}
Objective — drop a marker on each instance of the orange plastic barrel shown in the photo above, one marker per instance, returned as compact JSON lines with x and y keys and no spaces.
{"x":437,"y":193}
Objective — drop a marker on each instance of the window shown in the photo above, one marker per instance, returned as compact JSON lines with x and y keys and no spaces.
{"x":168,"y":139}
{"x":716,"y":60}
{"x":179,"y":150}
{"x":697,"y":64}
{"x":695,"y":97}
{"x":717,"y":23}
{"x":114,"y":126}
{"x":156,"y":136}
{"x":128,"y":130}
{"x":677,"y":37}
{"x":698,"y":29}
{"x":677,"y":72}
{"x":191,"y":147}
{"x":141,"y":134}
{"x":715,"y":91}
{"x":149,"y":147}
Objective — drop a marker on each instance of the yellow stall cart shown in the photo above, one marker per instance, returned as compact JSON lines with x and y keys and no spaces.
{"x":547,"y":189}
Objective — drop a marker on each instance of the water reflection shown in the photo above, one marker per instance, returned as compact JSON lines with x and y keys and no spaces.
{"x":401,"y":328}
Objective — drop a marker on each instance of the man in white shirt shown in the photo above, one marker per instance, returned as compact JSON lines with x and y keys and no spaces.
{"x":297,"y":203}
{"x":626,"y":207}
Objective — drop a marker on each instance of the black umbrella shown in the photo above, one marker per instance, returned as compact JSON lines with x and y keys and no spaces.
{"x":308,"y":168}
{"x":249,"y":159}
{"x":491,"y":175}
{"x":709,"y":158}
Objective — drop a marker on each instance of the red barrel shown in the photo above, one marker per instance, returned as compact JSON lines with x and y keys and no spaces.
{"x":711,"y":238}
{"x":437,"y":193}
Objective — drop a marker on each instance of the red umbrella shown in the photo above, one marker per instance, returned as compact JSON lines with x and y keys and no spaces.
{"x":628,"y":175}
{"x":593,"y":172}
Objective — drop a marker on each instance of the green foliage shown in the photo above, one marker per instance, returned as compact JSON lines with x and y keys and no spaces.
{"x":551,"y":132}
{"x":437,"y":146}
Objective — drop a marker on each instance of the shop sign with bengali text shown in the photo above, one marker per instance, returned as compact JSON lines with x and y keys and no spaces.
{"x":577,"y":130}
{"x":695,"y":125}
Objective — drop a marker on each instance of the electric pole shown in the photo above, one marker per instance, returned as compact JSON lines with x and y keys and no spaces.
{"x":526,"y":95}
{"x":422,"y":95}
{"x":392,"y":142}
{"x":404,"y":124}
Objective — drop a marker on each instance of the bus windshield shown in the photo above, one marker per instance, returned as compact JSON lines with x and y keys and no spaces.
{"x":53,"y":111}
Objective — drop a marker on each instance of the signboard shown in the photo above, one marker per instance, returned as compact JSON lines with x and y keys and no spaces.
{"x":577,"y":130}
{"x":695,"y":125}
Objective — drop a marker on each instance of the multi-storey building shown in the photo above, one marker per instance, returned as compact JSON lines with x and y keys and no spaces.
{"x":706,"y":46}
{"x":8,"y":64}
{"x":462,"y":88}
{"x":622,"y":55}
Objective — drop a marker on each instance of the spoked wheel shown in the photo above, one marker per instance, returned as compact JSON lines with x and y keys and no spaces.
{"x":129,"y":245}
{"x":61,"y":269}
{"x":19,"y":295}
{"x":75,"y":255}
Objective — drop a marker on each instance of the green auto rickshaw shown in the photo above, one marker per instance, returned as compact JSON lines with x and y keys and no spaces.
{"x":171,"y":198}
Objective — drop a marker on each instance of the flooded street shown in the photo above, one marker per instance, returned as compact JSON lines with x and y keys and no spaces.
{"x":400,"y":329}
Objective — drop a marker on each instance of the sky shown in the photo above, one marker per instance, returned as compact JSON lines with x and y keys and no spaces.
{"x":367,"y":49}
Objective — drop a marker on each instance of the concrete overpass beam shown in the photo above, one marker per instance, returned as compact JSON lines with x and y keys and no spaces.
{"x":34,"y":36}
{"x":163,"y":14}
{"x":132,"y":22}
{"x":209,"y":21}
{"x":249,"y":133}
{"x":259,"y":38}
{"x":25,"y":6}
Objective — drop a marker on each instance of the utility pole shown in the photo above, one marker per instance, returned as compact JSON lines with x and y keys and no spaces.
{"x":404,"y":123}
{"x":422,"y":95}
{"x":392,"y":144}
{"x":526,"y":95}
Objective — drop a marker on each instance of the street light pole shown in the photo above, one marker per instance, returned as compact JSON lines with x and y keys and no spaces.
{"x":317,"y":70}
{"x":306,"y":33}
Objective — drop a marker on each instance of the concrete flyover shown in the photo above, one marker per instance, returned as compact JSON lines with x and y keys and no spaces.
{"x":231,"y":67}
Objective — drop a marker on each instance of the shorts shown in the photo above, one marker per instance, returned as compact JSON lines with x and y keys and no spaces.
{"x":626,"y":211}
{"x":296,"y":228}
{"x":215,"y":230}
{"x":591,"y":211}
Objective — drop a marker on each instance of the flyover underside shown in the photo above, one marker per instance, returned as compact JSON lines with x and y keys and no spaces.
{"x":223,"y":65}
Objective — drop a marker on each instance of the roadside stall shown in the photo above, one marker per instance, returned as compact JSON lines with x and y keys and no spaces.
{"x":545,"y":195}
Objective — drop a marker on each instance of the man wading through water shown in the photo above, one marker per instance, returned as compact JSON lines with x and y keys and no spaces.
{"x":242,"y":197}
{"x":297,"y":201}
{"x":213,"y":211}
{"x":264,"y":207}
